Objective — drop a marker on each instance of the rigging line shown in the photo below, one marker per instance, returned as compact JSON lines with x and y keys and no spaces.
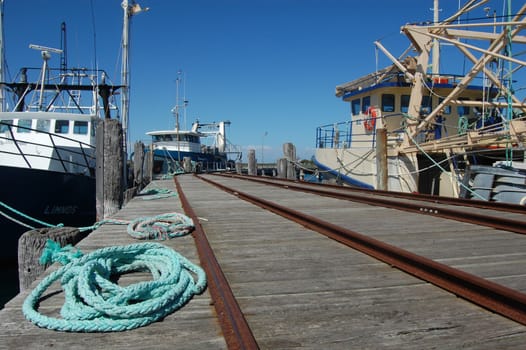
{"x":16,"y":221}
{"x":453,"y":178}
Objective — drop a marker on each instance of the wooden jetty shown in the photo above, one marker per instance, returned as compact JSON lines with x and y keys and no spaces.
{"x":298,"y":289}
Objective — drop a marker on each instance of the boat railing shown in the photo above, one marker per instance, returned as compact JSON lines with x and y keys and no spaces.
{"x":343,"y":135}
{"x":77,"y":155}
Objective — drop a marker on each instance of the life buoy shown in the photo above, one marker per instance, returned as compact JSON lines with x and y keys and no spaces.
{"x":370,"y":121}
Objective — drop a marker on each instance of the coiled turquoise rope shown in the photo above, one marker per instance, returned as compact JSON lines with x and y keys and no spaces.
{"x":93,"y":303}
{"x":161,"y":227}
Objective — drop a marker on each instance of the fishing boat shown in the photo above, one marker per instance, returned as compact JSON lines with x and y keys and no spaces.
{"x":417,"y":128}
{"x":47,"y":148}
{"x":178,"y":151}
{"x":203,"y":148}
{"x":48,"y":122}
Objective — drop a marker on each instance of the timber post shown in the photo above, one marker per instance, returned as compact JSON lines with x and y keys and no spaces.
{"x":282,"y":168}
{"x":239,"y":168}
{"x":30,"y":247}
{"x":138,"y":165}
{"x":252,"y":165}
{"x":109,"y":172}
{"x":289,"y":151}
{"x":381,"y":160}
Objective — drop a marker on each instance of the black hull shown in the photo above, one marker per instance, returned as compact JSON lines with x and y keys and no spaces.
{"x":52,"y":197}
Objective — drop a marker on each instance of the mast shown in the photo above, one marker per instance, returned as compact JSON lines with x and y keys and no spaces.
{"x":2,"y":73}
{"x":125,"y":73}
{"x":129,"y":11}
{"x":436,"y":45}
{"x":177,"y":81}
{"x":63,"y":47}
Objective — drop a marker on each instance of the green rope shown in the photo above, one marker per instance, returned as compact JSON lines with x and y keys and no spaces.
{"x":161,"y":227}
{"x":24,"y":216}
{"x":463,"y":125}
{"x":94,"y":303}
{"x":157,"y":193}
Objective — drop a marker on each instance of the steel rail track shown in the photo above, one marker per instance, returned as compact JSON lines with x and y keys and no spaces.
{"x":497,"y":222}
{"x":236,"y":330}
{"x":492,"y":296}
{"x":475,"y":203}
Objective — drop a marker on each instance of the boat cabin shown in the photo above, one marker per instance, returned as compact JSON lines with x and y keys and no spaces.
{"x":391,"y":102}
{"x":40,"y":125}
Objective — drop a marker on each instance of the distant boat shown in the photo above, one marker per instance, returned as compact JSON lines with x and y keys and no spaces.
{"x":177,"y":151}
{"x":415,"y":128}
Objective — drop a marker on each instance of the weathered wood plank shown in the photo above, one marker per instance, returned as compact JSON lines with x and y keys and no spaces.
{"x":299,"y":289}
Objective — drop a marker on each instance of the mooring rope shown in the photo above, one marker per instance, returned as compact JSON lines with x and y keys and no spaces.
{"x":164,"y":226}
{"x":94,"y":303}
{"x":157,"y":193}
{"x":13,"y":210}
{"x":160,"y":227}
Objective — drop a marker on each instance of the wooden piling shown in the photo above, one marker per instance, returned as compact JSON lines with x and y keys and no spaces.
{"x":138,"y":165}
{"x":252,"y":165}
{"x":289,"y":151}
{"x":282,"y":168}
{"x":381,"y":159}
{"x":187,"y":164}
{"x":30,"y":247}
{"x":148,"y":165}
{"x":109,"y":184}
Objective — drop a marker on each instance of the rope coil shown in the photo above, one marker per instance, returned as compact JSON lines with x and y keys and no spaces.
{"x":93,"y":303}
{"x":161,"y":227}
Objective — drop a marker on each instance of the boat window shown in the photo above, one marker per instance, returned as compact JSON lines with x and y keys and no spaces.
{"x":62,"y":126}
{"x":24,"y":125}
{"x":463,"y":110}
{"x":355,"y":107}
{"x":366,"y":103}
{"x":446,"y":109}
{"x":388,"y":103}
{"x":43,"y":125}
{"x":80,"y":127}
{"x":4,"y":127}
{"x":404,"y":103}
{"x":426,"y":105}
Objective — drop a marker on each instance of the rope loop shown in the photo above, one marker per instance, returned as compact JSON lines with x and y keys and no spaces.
{"x":161,"y":227}
{"x":94,"y":303}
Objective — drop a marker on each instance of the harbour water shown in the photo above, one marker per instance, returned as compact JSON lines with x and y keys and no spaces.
{"x":9,"y":287}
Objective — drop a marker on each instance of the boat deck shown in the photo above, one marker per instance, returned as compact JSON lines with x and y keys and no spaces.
{"x":299,"y":289}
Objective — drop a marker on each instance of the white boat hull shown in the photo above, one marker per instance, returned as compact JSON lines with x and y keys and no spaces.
{"x":358,"y":167}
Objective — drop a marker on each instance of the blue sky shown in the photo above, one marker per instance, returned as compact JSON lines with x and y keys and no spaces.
{"x":268,"y":66}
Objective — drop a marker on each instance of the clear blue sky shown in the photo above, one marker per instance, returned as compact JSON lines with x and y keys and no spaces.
{"x":268,"y":66}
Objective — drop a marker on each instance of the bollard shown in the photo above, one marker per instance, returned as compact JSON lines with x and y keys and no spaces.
{"x":30,"y":247}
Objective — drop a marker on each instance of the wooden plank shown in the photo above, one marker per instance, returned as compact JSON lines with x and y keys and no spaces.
{"x":299,"y":289}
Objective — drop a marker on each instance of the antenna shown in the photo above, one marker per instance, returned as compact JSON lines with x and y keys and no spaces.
{"x":63,"y":54}
{"x":45,"y":50}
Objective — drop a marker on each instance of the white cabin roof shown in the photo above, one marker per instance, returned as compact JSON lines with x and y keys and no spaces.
{"x":175,"y":132}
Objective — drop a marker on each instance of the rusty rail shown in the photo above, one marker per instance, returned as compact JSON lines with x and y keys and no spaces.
{"x":492,"y":296}
{"x":236,"y":330}
{"x":372,"y":198}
